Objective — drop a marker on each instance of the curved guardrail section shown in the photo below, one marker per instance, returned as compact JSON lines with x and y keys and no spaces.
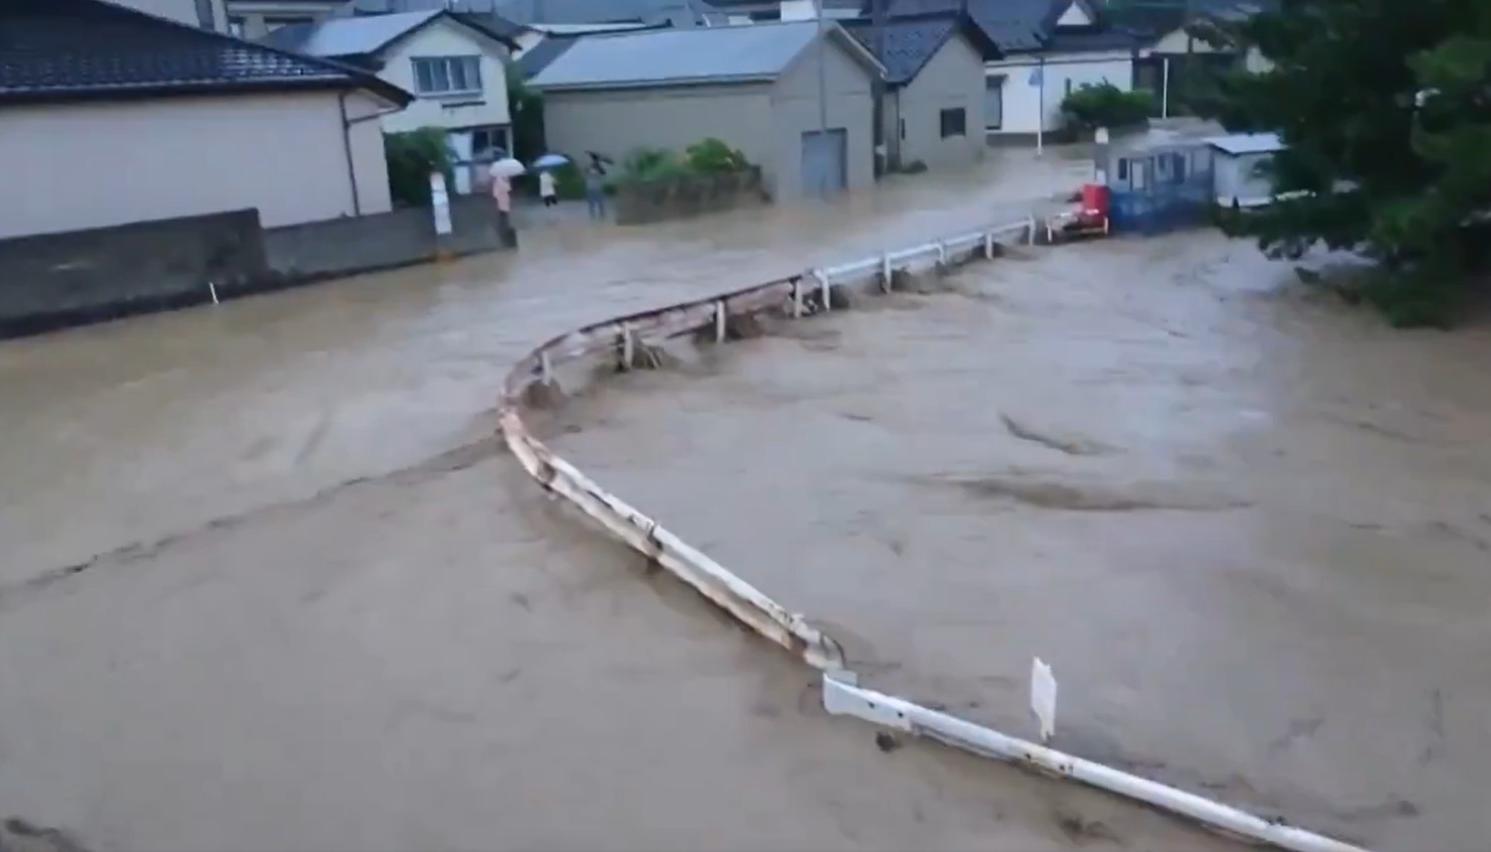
{"x":795,"y":296}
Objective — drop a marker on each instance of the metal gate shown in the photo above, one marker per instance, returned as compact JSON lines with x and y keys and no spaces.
{"x":824,"y":162}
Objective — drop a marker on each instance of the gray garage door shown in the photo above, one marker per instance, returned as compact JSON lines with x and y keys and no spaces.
{"x":823,"y":162}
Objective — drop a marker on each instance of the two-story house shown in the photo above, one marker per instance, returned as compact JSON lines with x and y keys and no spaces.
{"x":455,"y":68}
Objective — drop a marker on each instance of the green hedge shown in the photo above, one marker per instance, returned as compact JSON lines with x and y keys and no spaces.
{"x":1106,"y":105}
{"x":412,"y":156}
{"x":709,"y":156}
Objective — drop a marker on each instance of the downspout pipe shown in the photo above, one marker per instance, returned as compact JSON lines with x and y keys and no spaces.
{"x":347,"y":145}
{"x":347,"y":154}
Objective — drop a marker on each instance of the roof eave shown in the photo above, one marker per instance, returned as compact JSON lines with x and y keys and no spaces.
{"x":651,"y":84}
{"x":393,"y":94}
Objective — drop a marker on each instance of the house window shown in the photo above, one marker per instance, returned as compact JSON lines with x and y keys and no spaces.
{"x":489,"y":143}
{"x":954,"y":122}
{"x":994,"y":102}
{"x":447,"y":75}
{"x":767,"y":15}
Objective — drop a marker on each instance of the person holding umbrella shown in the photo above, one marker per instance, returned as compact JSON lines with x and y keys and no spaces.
{"x":502,"y":172}
{"x":548,"y":188}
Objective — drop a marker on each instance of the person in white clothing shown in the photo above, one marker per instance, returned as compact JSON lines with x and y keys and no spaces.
{"x":546,"y":189}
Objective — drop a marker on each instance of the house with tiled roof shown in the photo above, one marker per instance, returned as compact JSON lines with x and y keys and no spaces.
{"x":113,"y":116}
{"x":932,"y":101}
{"x":456,"y":66}
{"x":1050,"y":48}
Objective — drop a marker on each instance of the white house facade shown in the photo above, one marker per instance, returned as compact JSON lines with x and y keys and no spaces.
{"x":456,"y":71}
{"x":1025,"y":91}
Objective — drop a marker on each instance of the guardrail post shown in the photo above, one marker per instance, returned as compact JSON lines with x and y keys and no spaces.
{"x":823,"y":288}
{"x":941,"y":253}
{"x":545,"y":369}
{"x":989,"y":245}
{"x":1030,"y":231}
{"x":885,"y":272}
{"x":626,"y":346}
{"x":797,"y":298}
{"x":719,"y":321}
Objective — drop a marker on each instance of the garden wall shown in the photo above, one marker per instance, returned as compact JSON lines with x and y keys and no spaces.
{"x":51,"y":281}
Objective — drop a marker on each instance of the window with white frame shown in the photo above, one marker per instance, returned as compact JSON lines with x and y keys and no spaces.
{"x":994,"y":102}
{"x":447,"y":75}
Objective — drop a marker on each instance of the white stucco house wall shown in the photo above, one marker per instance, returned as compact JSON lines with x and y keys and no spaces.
{"x":187,"y":122}
{"x":455,"y":69}
{"x":1047,"y":57}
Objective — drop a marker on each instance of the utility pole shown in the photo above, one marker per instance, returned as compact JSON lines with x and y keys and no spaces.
{"x":1040,"y":124}
{"x":822,"y":90}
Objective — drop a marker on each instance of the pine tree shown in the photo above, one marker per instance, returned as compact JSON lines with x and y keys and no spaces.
{"x":1385,"y":106}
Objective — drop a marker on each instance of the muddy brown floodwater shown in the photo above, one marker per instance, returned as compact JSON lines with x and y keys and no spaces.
{"x":268,"y":582}
{"x":1249,"y":528}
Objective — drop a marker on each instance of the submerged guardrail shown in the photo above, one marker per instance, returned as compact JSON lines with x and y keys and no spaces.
{"x":796,"y":296}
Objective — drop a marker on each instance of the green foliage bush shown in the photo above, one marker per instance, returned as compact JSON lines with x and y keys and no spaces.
{"x":712,"y":156}
{"x":1106,"y":105}
{"x":412,"y":156}
{"x":649,"y":164}
{"x":707,"y":157}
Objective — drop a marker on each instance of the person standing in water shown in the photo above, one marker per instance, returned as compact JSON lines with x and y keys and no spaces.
{"x":595,"y":191}
{"x":546,"y":188}
{"x":502,"y":194}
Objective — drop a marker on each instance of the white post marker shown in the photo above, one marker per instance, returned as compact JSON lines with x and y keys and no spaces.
{"x":885,"y":286}
{"x":823,"y":289}
{"x":212,"y":289}
{"x":440,"y":203}
{"x":797,"y":299}
{"x":719,"y":321}
{"x":989,"y":246}
{"x":626,"y":346}
{"x":1165,"y":87}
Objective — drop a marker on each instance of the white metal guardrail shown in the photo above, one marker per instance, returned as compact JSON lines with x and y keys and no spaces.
{"x":841,"y":693}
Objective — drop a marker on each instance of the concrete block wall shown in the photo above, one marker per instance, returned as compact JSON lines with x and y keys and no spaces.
{"x":52,"y":281}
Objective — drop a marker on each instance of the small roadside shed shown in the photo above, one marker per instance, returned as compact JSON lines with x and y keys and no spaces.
{"x":754,"y":87}
{"x":1240,"y":165}
{"x":932,"y":110}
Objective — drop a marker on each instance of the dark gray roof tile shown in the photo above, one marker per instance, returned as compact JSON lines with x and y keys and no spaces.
{"x":53,"y":50}
{"x":907,"y":43}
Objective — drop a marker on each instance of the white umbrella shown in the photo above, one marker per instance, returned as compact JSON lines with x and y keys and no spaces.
{"x":551,"y":161}
{"x":507,"y":167}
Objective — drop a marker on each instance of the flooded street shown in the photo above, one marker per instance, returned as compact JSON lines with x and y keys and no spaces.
{"x":1249,"y":528}
{"x":269,"y":582}
{"x":133,"y":431}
